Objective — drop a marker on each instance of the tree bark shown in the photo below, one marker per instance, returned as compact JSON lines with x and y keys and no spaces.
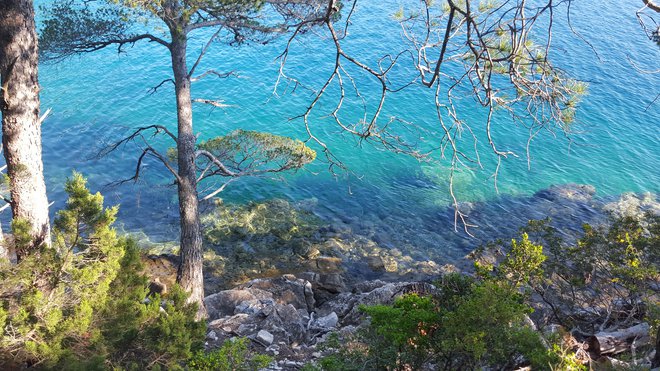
{"x":189,"y":275}
{"x":21,"y":127}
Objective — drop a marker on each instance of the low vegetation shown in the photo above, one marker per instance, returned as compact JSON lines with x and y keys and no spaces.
{"x":542,"y":300}
{"x":82,"y":302}
{"x":543,"y":303}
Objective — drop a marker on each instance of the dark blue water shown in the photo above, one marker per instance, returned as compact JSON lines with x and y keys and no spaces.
{"x":97,"y":97}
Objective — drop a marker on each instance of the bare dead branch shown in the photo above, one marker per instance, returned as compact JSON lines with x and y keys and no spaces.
{"x":155,"y":88}
{"x":158,"y":129}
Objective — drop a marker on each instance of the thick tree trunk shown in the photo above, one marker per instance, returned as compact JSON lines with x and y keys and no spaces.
{"x":21,"y":127}
{"x":189,"y":275}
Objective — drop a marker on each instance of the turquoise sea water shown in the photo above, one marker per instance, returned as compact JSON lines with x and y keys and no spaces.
{"x":97,"y":97}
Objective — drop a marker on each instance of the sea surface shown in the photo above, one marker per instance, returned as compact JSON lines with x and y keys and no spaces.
{"x":98,"y":97}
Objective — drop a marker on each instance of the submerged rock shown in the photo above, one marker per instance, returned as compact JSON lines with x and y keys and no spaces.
{"x":571,"y":191}
{"x":633,"y":205}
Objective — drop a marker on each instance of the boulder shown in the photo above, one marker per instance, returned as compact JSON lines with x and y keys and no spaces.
{"x":284,"y":290}
{"x":224,"y":303}
{"x":324,"y":286}
{"x":329,"y":321}
{"x":265,"y":337}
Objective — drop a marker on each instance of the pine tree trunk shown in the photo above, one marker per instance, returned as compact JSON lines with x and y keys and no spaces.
{"x":189,"y":275}
{"x":21,"y":128}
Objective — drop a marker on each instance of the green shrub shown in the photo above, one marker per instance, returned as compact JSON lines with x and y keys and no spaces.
{"x":234,"y":355}
{"x":403,"y":333}
{"x":79,"y":303}
{"x":469,"y":324}
{"x":487,"y":328}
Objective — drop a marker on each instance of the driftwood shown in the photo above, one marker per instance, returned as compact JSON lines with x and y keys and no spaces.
{"x":619,"y":341}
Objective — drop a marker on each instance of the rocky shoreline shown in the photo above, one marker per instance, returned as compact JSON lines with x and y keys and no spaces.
{"x":289,"y":317}
{"x":286,"y":294}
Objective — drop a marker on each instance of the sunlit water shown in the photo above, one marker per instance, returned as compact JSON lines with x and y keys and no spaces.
{"x":97,"y":97}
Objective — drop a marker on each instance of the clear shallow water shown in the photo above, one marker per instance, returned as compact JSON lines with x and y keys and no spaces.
{"x":97,"y":97}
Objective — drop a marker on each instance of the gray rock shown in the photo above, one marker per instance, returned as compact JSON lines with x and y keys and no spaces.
{"x":633,"y":205}
{"x":329,"y":321}
{"x":367,"y":286}
{"x":332,"y":282}
{"x":324,"y":285}
{"x":224,"y":303}
{"x":245,"y":329}
{"x":228,"y":324}
{"x":285,"y":290}
{"x":286,"y":322}
{"x":265,"y":337}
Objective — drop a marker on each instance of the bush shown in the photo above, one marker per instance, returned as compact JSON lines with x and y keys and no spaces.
{"x":468,"y":324}
{"x":80,"y":303}
{"x":234,"y":355}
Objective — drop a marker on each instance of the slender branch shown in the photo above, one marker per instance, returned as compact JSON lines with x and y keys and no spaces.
{"x":148,"y":151}
{"x":215,"y":73}
{"x":203,"y":52}
{"x":44,"y":116}
{"x":137,"y":133}
{"x":155,"y":88}
{"x":220,"y":189}
{"x":225,"y":171}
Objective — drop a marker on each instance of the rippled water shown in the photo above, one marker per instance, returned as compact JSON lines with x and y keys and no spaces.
{"x":98,"y":96}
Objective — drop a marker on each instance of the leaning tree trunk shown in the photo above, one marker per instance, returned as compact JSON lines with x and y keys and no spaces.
{"x":21,"y":127}
{"x":189,"y":275}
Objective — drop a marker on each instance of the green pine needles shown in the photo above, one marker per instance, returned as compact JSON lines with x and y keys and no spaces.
{"x":80,"y":303}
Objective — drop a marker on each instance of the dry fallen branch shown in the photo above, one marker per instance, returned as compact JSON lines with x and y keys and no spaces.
{"x":619,"y":341}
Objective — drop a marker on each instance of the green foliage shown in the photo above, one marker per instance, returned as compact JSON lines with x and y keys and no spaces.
{"x":254,"y":152}
{"x":79,"y":304}
{"x":141,"y":333}
{"x":69,"y":28}
{"x":234,"y":355}
{"x":565,"y":359}
{"x":487,"y":329}
{"x":351,"y":354}
{"x":480,"y":322}
{"x":404,"y":330}
{"x":20,"y":229}
{"x":523,"y":263}
{"x":604,"y":266}
{"x":469,"y":324}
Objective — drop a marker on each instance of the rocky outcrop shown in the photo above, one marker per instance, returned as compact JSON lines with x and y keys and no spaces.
{"x":282,"y":317}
